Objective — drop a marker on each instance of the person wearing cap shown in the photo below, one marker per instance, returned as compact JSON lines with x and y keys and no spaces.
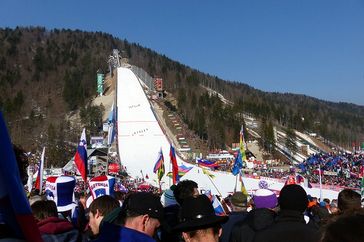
{"x":140,"y":216}
{"x":99,"y":208}
{"x":238,"y":205}
{"x":198,"y":222}
{"x":259,"y":218}
{"x":290,"y":224}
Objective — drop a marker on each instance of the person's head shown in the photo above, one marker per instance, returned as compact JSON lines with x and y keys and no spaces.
{"x":348,"y":200}
{"x":293,"y":197}
{"x":239,"y":201}
{"x":347,"y":227}
{"x":99,"y":208}
{"x":264,"y":198}
{"x":43,"y":209}
{"x":142,"y":211}
{"x":185,"y":189}
{"x":198,"y":220}
{"x":22,"y":161}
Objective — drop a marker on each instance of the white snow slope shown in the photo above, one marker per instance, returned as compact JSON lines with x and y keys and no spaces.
{"x":140,"y":138}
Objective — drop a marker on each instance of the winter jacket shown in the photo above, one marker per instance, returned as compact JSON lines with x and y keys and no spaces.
{"x":234,"y":218}
{"x":256,"y":220}
{"x":111,"y":232}
{"x":57,"y":229}
{"x":289,"y":226}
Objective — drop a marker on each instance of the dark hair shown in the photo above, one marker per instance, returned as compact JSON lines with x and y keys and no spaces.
{"x":348,"y":227}
{"x":183,"y":190}
{"x":105,"y":204}
{"x":44,"y":209}
{"x":348,"y":199}
{"x":215,"y":229}
{"x":22,"y":161}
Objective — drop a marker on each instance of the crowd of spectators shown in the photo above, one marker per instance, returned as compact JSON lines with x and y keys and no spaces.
{"x":337,"y":169}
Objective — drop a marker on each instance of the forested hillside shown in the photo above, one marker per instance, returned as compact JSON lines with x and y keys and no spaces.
{"x":45,"y":74}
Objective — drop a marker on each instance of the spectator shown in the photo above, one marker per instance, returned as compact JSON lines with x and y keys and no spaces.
{"x":141,"y":214}
{"x":258,"y":219}
{"x":50,"y":226}
{"x":185,"y":189}
{"x":348,"y":200}
{"x":198,"y":220}
{"x":345,"y":228}
{"x":238,"y":204}
{"x":99,"y":208}
{"x":171,"y":211}
{"x":290,"y":224}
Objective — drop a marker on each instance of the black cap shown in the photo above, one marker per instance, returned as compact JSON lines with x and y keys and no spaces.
{"x":145,"y":203}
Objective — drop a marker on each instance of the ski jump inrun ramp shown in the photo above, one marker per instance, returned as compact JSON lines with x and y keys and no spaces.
{"x":140,"y":139}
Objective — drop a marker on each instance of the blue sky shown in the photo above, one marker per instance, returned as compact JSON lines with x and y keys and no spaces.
{"x":310,"y":47}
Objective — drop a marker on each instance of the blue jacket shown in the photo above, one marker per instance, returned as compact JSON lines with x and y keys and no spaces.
{"x":111,"y":232}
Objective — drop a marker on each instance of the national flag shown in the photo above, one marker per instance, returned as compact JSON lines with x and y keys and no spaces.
{"x":242,"y":144}
{"x":172,"y":156}
{"x":238,"y":164}
{"x":243,"y":189}
{"x":39,"y":181}
{"x":14,"y":206}
{"x":218,"y":208}
{"x":81,"y":156}
{"x":159,"y":166}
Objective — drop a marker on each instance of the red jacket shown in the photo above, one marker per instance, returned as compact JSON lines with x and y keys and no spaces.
{"x":54,"y":225}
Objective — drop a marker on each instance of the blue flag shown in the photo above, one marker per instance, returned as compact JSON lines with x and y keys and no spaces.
{"x":238,"y":164}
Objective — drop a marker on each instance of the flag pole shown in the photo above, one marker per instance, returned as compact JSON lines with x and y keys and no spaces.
{"x":320,"y":180}
{"x":236,"y":183}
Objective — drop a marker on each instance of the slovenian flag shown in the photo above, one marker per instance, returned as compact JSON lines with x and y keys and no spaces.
{"x":14,"y":206}
{"x":172,"y":156}
{"x":159,"y":166}
{"x":81,"y":156}
{"x":39,"y":180}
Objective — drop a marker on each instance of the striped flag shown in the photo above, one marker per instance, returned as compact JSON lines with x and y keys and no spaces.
{"x":219,"y":210}
{"x":14,"y":205}
{"x":159,"y":166}
{"x":39,"y":180}
{"x":81,"y":156}
{"x":172,"y":156}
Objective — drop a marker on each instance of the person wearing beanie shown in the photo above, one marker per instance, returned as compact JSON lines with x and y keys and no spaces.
{"x":259,"y":218}
{"x":290,"y":224}
{"x":171,"y":211}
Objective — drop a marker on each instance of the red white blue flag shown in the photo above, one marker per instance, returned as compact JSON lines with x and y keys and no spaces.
{"x":39,"y":180}
{"x":14,"y":205}
{"x":219,"y":210}
{"x":81,"y":156}
{"x":172,"y":156}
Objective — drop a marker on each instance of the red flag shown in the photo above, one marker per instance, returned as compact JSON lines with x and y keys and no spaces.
{"x":172,"y":156}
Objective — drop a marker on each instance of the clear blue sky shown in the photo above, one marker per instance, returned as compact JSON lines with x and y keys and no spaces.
{"x":310,"y":47}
